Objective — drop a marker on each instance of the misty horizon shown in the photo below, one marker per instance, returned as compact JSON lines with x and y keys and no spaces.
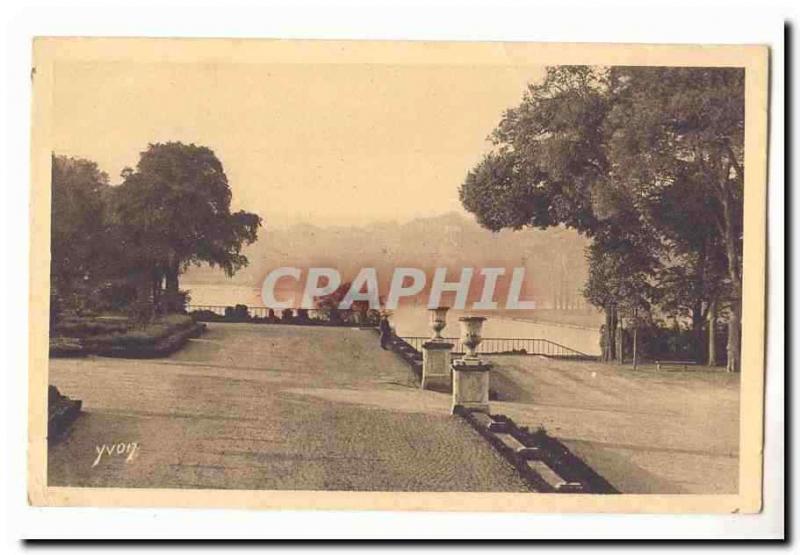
{"x":554,"y":260}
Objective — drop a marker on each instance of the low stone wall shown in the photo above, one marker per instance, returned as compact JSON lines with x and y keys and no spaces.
{"x":409,"y":354}
{"x":545,"y":463}
{"x":209,"y":316}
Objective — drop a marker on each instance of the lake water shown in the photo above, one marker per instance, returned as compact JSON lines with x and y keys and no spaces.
{"x":222,"y":295}
{"x":413,"y":320}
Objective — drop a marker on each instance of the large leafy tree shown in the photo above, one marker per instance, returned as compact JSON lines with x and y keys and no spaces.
{"x":79,"y":223}
{"x":174,"y":210}
{"x":622,"y":259}
{"x":691,"y":280}
{"x":550,"y":168}
{"x":613,"y":153}
{"x":684,"y":128}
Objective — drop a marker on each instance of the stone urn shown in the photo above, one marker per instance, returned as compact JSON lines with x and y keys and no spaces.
{"x":470,"y":373}
{"x":438,"y":321}
{"x":471,"y":334}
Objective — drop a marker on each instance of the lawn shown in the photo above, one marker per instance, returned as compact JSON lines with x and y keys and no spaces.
{"x":645,"y":431}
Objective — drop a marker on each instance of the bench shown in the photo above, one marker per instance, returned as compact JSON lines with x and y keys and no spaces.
{"x":684,"y":363}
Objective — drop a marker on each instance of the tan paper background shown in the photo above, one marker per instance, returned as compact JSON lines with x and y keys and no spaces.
{"x":49,"y":51}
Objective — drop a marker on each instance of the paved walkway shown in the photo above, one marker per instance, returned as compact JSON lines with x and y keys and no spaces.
{"x":268,"y":407}
{"x":644,"y":431}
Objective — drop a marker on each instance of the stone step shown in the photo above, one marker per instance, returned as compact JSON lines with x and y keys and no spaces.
{"x":570,"y":487}
{"x":522,"y":451}
{"x":498,"y":427}
{"x":545,"y":472}
{"x":530,"y":453}
{"x":553,"y":479}
{"x":482,"y":419}
{"x":502,"y":429}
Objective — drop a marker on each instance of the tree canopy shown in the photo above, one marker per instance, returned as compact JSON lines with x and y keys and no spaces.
{"x":174,"y":210}
{"x":78,"y":221}
{"x":171,"y":211}
{"x":648,"y":162}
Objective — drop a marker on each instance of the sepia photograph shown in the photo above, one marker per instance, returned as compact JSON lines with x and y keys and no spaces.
{"x":396,"y":275}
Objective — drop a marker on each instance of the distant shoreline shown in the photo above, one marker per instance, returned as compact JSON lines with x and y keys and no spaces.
{"x":545,"y":316}
{"x":552,"y":323}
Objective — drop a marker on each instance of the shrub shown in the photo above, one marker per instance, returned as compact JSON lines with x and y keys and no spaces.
{"x":145,"y":335}
{"x":206,"y":316}
{"x":141,"y":313}
{"x":373,"y":317}
{"x":175,"y":302}
{"x":112,"y":296}
{"x":238,"y":313}
{"x":84,"y":327}
{"x":657,"y":341}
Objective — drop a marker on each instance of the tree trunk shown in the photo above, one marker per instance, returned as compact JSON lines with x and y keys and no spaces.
{"x":607,"y":339}
{"x":172,"y":281}
{"x":141,"y":311}
{"x":157,"y":278}
{"x":712,"y":334}
{"x":734,"y":272}
{"x":734,"y":336}
{"x":697,"y":331}
{"x":698,"y":317}
{"x":730,"y":237}
{"x":144,"y":290}
{"x":172,"y":289}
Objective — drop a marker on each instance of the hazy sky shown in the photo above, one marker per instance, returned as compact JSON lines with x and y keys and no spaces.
{"x":321,"y":143}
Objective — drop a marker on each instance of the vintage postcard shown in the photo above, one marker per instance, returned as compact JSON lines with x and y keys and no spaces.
{"x":397,"y":275}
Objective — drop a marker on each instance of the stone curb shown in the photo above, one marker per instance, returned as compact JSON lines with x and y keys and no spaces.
{"x":545,"y":463}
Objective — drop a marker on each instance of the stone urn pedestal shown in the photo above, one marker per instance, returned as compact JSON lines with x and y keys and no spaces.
{"x":471,"y":385}
{"x":436,"y":365}
{"x":436,"y":353}
{"x":470,"y":373}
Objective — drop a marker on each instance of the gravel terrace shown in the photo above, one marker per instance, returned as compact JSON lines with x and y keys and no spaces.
{"x":268,"y":407}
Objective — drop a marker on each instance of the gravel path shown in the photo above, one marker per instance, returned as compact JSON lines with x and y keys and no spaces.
{"x":268,"y":407}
